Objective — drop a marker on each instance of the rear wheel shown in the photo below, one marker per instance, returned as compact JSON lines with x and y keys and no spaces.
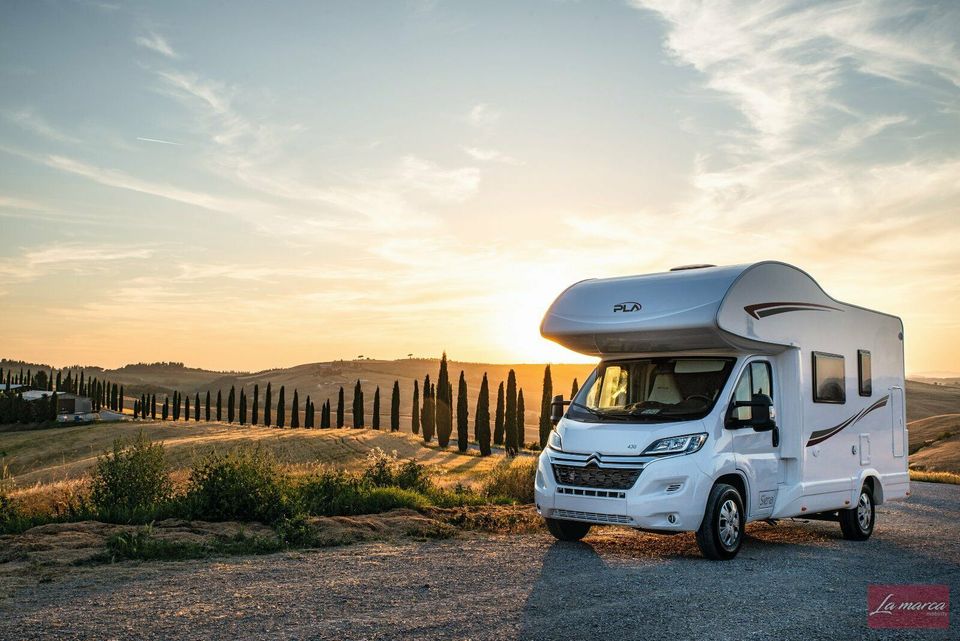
{"x":857,"y":522}
{"x":567,"y":530}
{"x":721,"y":531}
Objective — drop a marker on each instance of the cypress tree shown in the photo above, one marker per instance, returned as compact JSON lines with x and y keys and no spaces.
{"x":395,"y":407}
{"x":219,"y":406}
{"x":59,"y":379}
{"x":186,"y":409}
{"x":463,"y":437}
{"x":358,"y":405}
{"x":281,"y":409}
{"x":231,"y":398}
{"x":340,"y":408}
{"x":521,"y":413}
{"x":308,"y":415}
{"x":444,"y":405}
{"x":574,"y":389}
{"x":295,"y":410}
{"x":376,"y":409}
{"x":120,"y":399}
{"x":481,"y":426}
{"x":153,"y":406}
{"x":176,"y":405}
{"x":196,"y":407}
{"x":499,"y":417}
{"x":255,"y":417}
{"x":546,"y":399}
{"x":325,"y":415}
{"x":142,"y":407}
{"x":166,"y":408}
{"x":53,"y":407}
{"x":510,"y":415}
{"x":206,"y":407}
{"x":425,"y":411}
{"x":267,"y":405}
{"x":415,"y":416}
{"x":243,"y":407}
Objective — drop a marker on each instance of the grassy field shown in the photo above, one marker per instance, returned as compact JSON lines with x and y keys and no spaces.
{"x":935,"y":443}
{"x":64,"y":454}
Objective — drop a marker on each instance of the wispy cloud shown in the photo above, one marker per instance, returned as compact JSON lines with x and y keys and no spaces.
{"x":436,"y":182}
{"x":483,"y":116}
{"x":30,"y":121}
{"x":490,"y":155}
{"x":158,"y":44}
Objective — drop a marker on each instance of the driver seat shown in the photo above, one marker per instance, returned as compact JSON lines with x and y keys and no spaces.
{"x":665,"y":389}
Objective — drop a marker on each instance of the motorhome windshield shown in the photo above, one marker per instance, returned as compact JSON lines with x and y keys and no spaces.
{"x":651,"y":390}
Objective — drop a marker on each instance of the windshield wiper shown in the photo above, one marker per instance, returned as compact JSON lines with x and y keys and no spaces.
{"x":609,"y":416}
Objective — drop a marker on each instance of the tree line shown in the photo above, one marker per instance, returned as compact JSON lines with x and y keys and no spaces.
{"x":433,"y":414}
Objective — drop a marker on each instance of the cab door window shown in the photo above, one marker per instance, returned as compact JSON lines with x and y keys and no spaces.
{"x":756,"y":379}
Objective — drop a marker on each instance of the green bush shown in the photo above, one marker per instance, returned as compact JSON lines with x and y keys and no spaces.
{"x":241,"y":485}
{"x":512,"y":479}
{"x":337,"y":493}
{"x":385,"y":470}
{"x":131,"y":482}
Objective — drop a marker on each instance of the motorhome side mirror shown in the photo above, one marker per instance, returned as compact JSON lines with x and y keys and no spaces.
{"x":762,"y":421}
{"x":760,"y":418}
{"x":556,"y":408}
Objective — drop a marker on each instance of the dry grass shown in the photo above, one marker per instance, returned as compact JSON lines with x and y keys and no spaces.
{"x":935,"y":477}
{"x":71,"y":452}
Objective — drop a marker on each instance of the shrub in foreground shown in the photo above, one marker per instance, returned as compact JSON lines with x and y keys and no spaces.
{"x":242,"y":485}
{"x":512,"y":479}
{"x":130,"y":482}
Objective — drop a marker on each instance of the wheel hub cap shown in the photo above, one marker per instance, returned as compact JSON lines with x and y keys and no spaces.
{"x":864,"y":512}
{"x":729,"y":523}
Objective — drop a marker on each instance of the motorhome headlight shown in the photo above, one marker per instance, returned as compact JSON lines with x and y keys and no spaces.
{"x":686,"y":444}
{"x":554,"y":441}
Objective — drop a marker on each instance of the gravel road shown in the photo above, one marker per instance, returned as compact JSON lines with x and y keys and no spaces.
{"x":795,"y":580}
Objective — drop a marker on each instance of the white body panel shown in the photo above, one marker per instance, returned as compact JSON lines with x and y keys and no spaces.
{"x":770,"y":312}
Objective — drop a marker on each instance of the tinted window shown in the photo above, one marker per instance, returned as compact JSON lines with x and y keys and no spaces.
{"x":829,"y":384}
{"x":863,"y":367}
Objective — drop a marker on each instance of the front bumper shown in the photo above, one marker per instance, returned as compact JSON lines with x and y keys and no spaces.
{"x":669,"y":494}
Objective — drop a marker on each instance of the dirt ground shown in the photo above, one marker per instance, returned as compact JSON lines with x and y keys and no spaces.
{"x":795,"y":580}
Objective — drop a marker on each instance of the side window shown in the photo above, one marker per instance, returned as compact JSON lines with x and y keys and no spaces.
{"x":755,"y":379}
{"x":863,"y":371}
{"x":760,"y":372}
{"x":829,"y":383}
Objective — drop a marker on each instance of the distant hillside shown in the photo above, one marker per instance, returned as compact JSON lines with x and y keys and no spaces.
{"x":935,"y":443}
{"x":924,"y":400}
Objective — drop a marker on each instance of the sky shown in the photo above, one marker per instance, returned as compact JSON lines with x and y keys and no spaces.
{"x":246,"y":185}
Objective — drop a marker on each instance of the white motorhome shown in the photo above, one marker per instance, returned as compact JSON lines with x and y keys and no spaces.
{"x":723,"y":395}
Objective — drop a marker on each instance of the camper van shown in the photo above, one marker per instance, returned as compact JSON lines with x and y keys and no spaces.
{"x":723,"y":395}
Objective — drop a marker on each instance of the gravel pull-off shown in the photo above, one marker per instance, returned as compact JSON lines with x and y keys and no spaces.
{"x":795,"y":580}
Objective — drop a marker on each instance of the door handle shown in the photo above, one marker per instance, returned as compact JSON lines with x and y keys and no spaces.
{"x":775,"y":436}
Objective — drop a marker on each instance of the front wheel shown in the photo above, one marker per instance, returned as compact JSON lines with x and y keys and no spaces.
{"x":567,"y":530}
{"x":721,"y":532}
{"x":857,"y":522}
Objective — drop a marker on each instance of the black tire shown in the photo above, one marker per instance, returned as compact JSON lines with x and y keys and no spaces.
{"x":720,"y":536}
{"x":857,"y":522}
{"x":567,"y":530}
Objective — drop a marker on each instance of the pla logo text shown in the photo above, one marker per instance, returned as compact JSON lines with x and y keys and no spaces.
{"x":908,"y":606}
{"x":628,"y":306}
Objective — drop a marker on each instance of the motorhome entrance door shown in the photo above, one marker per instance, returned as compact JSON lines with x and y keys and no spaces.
{"x":758,"y":453}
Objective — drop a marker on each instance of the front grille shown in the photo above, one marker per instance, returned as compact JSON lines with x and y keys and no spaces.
{"x":595,"y":517}
{"x":603,"y":494}
{"x":597,"y":477}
